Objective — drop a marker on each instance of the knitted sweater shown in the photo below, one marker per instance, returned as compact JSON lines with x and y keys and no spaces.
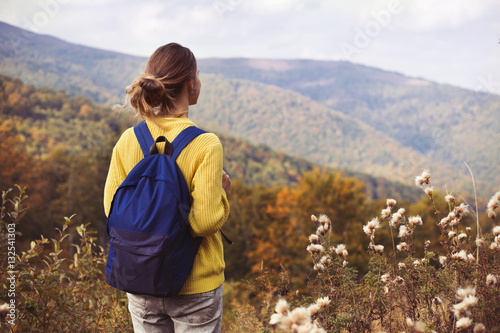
{"x":201,"y":164}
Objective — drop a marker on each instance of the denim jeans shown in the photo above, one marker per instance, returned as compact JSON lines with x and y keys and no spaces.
{"x":196,"y":313}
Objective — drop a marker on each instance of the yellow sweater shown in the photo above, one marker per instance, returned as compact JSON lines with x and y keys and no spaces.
{"x":201,"y":165}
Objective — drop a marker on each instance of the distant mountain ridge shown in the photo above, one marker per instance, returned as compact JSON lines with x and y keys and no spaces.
{"x":388,"y":127}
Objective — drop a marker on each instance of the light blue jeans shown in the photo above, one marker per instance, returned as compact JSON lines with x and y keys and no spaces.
{"x":197,"y":313}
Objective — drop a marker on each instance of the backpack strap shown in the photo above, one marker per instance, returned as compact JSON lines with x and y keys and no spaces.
{"x":144,"y":137}
{"x":146,"y":140}
{"x":185,"y":137}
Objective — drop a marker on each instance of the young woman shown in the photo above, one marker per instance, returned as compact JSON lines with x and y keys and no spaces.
{"x":162,"y":96}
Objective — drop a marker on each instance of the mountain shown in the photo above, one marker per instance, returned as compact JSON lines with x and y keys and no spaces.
{"x":336,"y":114}
{"x":78,"y":70}
{"x":47,"y":121}
{"x":442,"y":123}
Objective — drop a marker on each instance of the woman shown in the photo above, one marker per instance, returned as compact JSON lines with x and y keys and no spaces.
{"x":162,"y":96}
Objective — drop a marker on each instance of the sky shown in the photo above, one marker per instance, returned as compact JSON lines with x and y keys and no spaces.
{"x":447,"y":41}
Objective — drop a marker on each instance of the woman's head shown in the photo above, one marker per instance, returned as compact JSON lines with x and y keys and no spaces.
{"x":170,"y":70}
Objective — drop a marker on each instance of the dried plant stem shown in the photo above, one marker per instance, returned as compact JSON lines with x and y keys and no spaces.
{"x":478,"y":231}
{"x":394,"y":250}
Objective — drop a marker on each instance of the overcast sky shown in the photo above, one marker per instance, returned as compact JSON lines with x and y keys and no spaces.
{"x":447,"y":41}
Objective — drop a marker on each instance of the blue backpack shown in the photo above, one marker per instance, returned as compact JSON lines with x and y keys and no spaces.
{"x":151,"y":249}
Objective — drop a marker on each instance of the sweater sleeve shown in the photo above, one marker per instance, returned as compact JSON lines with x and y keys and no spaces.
{"x":116,"y":175}
{"x":210,"y":207}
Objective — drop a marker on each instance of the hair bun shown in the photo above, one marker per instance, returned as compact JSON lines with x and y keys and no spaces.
{"x":154,"y":90}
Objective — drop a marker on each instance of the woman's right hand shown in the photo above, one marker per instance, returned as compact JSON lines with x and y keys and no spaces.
{"x":226,"y":182}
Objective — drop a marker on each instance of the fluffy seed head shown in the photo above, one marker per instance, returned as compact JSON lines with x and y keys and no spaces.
{"x":442,"y":260}
{"x":464,"y":323}
{"x":415,"y":220}
{"x":462,"y":236}
{"x":491,"y":280}
{"x":313,"y":309}
{"x":281,"y":307}
{"x":323,"y":302}
{"x":314,"y":239}
{"x":404,"y":231}
{"x":300,"y":316}
{"x":402,"y":246}
{"x":385,"y":213}
{"x":429,"y":190}
{"x":462,"y":293}
{"x":462,"y":255}
{"x":450,"y":199}
{"x":479,"y":328}
{"x":391,"y":203}
{"x":496,"y":230}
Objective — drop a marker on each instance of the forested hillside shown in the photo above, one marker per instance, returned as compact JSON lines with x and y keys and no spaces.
{"x":442,"y":123}
{"x":342,"y":115}
{"x":59,"y":146}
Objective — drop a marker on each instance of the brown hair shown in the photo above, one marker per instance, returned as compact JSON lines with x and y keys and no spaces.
{"x":154,"y":92}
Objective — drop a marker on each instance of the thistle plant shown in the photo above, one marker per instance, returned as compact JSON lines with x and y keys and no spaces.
{"x":455,"y":288}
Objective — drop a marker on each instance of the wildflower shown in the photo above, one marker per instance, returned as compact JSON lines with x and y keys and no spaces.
{"x":371,"y":226}
{"x":324,"y":220}
{"x":275,"y":318}
{"x":493,"y":203}
{"x":470,"y":301}
{"x":391,"y":202}
{"x":459,"y":309}
{"x":462,"y":236}
{"x":402,"y":246}
{"x":494,"y":246}
{"x":313,"y":309}
{"x":427,"y":243}
{"x":325,"y":260}
{"x":470,"y":257}
{"x":462,"y":255}
{"x":462,"y":293}
{"x":404,"y":231}
{"x":415,"y":220}
{"x":340,"y":249}
{"x":345,"y":253}
{"x":464,"y":323}
{"x":401,"y":265}
{"x":315,"y":248}
{"x":417,"y":262}
{"x":445,"y":221}
{"x":379,"y":249}
{"x":323,"y":302}
{"x":385,"y":277}
{"x":399,"y":280}
{"x":479,"y":328}
{"x":442,"y":260}
{"x":385,"y":213}
{"x":496,"y":230}
{"x":450,"y":199}
{"x":314,"y":218}
{"x":321,"y":230}
{"x":429,"y":190}
{"x":396,"y":217}
{"x":423,"y":179}
{"x":345,"y":264}
{"x":460,"y":210}
{"x":479,"y":242}
{"x":4,"y":309}
{"x":314,"y":239}
{"x":452,"y":234}
{"x":491,"y":280}
{"x":300,"y":316}
{"x":401,"y":211}
{"x":281,"y":307}
{"x":319,"y":267}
